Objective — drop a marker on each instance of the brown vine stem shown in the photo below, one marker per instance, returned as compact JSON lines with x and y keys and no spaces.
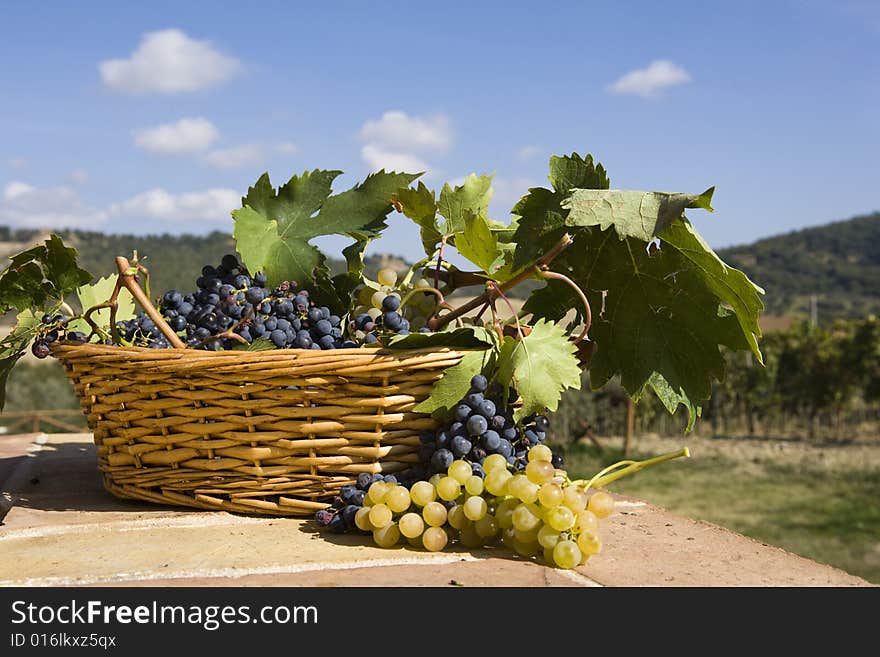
{"x":588,"y":314}
{"x":439,"y":261}
{"x":492,"y":293}
{"x":127,"y":275}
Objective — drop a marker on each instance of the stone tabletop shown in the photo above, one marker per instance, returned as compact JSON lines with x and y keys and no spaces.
{"x":60,"y":527}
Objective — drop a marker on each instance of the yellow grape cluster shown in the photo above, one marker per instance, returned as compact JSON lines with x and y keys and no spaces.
{"x":539,"y":512}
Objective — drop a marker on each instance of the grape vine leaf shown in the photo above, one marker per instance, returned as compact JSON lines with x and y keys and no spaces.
{"x":273,"y":228}
{"x":479,"y":244}
{"x":456,"y":382}
{"x":260,"y":344}
{"x":466,"y":337}
{"x":96,"y":294}
{"x":633,"y":214}
{"x":660,"y":313}
{"x":659,"y":317}
{"x":542,"y":208}
{"x":45,"y":272}
{"x":456,"y":204}
{"x":539,"y":367}
{"x":420,"y":206}
{"x":13,"y":346}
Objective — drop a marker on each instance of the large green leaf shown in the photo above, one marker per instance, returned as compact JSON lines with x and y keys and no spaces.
{"x":61,"y":267}
{"x":659,"y":317}
{"x":540,"y":367}
{"x":35,"y":276}
{"x":273,"y":228}
{"x":479,"y":244}
{"x":469,"y":199}
{"x":633,"y":214}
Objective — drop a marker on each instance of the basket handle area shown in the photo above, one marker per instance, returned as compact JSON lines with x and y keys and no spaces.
{"x":128,"y":280}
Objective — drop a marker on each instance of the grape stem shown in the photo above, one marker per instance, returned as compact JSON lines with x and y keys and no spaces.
{"x":439,"y":261}
{"x":588,"y":314}
{"x":127,"y":279}
{"x":491,"y":293}
{"x":623,"y":468}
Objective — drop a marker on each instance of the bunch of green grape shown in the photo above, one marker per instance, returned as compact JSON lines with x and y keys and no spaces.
{"x":538,"y":512}
{"x":372,"y":300}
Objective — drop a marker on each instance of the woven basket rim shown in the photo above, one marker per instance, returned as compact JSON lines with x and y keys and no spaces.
{"x":304,"y":354}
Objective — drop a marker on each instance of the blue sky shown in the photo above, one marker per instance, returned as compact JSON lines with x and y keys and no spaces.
{"x":155,"y":117}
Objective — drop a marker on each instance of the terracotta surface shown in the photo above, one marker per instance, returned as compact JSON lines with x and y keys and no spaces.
{"x":61,"y":528}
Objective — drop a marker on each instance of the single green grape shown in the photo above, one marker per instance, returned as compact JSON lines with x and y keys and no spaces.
{"x":560,"y":518}
{"x":387,"y":276}
{"x":362,"y":519}
{"x":411,"y":525}
{"x":540,"y":472}
{"x":422,"y":492}
{"x":494,"y":462}
{"x":456,"y":517}
{"x":525,"y":517}
{"x":380,"y":516}
{"x":475,"y":507}
{"x":548,"y":537}
{"x":397,"y":499}
{"x":550,"y":495}
{"x":460,"y":471}
{"x":566,"y":554}
{"x":434,"y":514}
{"x":387,"y":536}
{"x":435,"y":538}
{"x":540,"y":453}
{"x":448,"y":489}
{"x":474,"y":485}
{"x":602,"y":504}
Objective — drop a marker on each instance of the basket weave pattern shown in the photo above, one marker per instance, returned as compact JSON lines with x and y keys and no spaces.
{"x":273,"y":432}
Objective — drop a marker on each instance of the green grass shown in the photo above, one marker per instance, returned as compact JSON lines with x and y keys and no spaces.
{"x":830,"y":516}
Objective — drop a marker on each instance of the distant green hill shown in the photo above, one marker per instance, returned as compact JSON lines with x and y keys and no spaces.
{"x":838,"y":262}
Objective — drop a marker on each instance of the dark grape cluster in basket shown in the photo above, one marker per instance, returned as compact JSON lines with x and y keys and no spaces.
{"x":230,"y":307}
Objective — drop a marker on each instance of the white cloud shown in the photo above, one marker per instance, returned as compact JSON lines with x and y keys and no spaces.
{"x":207,"y":205}
{"x":236,"y":157}
{"x":24,"y":205}
{"x":286,"y":148}
{"x":15,"y":189}
{"x":401,"y":132}
{"x":379,"y":158}
{"x":188,"y":135}
{"x":528,"y":152}
{"x":166,"y":62}
{"x":79,"y":176}
{"x":646,"y":82}
{"x":397,"y":141}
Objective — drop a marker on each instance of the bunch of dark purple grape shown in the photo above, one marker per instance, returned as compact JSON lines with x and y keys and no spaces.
{"x":481,"y":425}
{"x":228,"y":303}
{"x":52,"y":328}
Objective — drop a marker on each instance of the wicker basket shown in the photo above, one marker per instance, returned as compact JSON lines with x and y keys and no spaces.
{"x":271,"y":432}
